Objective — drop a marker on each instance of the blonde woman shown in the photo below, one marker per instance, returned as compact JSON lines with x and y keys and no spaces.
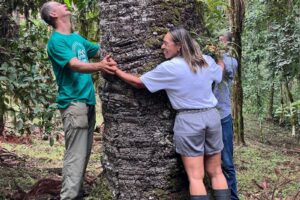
{"x":187,"y":77}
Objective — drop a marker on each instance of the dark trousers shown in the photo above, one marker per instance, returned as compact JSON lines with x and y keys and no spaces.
{"x":227,"y":156}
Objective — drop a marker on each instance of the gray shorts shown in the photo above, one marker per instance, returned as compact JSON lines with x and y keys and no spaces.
{"x":198,"y":133}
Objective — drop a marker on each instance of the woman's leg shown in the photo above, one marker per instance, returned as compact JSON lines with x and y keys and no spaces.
{"x":214,"y":171}
{"x":195,"y":171}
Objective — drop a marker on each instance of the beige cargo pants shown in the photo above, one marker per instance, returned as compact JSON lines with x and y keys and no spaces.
{"x":79,"y":123}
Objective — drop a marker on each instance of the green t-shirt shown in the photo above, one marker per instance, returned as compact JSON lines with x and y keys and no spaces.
{"x":72,"y":86}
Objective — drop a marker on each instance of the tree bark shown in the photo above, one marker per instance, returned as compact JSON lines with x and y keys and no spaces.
{"x":139,"y":159}
{"x":282,"y":96}
{"x":289,"y":101}
{"x":2,"y":113}
{"x":8,"y":30}
{"x":270,"y":115}
{"x":237,"y":12}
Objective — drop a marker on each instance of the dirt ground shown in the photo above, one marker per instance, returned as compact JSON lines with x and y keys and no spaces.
{"x":268,"y":167}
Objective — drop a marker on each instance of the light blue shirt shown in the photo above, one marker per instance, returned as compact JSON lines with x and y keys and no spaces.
{"x":222,"y":90}
{"x":185,"y":89}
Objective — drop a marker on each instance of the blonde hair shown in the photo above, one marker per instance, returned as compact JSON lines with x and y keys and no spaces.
{"x":190,"y":49}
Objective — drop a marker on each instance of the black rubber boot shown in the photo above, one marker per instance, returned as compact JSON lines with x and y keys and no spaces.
{"x":222,"y":194}
{"x":199,"y":197}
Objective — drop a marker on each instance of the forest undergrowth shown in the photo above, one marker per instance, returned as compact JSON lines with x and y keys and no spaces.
{"x":268,"y":167}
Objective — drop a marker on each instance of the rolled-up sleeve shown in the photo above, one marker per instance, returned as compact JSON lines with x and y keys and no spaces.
{"x":214,"y":69}
{"x":160,"y":78}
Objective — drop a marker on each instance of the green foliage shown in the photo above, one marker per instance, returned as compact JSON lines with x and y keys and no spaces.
{"x":255,"y":74}
{"x":251,"y":162}
{"x":216,"y":24}
{"x":215,"y":16}
{"x":39,"y":149}
{"x":86,"y":15}
{"x":26,"y":8}
{"x":288,"y":112}
{"x":27,"y":80}
{"x":270,"y":55}
{"x":283,"y":48}
{"x":27,"y":86}
{"x":214,"y":48}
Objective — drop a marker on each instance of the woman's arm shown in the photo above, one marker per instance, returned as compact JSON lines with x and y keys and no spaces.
{"x":130,"y":79}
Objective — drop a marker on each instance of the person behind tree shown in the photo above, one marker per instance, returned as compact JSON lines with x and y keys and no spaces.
{"x":70,"y":54}
{"x":187,"y":78}
{"x":222,"y":92}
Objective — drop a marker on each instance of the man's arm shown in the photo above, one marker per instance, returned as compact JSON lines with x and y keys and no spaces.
{"x":221,"y":64}
{"x":107,"y":65}
{"x":101,"y":53}
{"x":230,"y":68}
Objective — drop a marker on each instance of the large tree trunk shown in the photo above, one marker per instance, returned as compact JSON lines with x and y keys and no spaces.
{"x":139,"y":160}
{"x":8,"y":30}
{"x":237,"y":12}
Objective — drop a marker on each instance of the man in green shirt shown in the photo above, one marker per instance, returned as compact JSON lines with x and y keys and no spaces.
{"x":69,"y":54}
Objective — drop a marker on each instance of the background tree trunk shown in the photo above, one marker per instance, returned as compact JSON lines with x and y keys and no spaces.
{"x":282,"y":103}
{"x":289,"y":100}
{"x":237,"y":12}
{"x":8,"y":30}
{"x":4,"y":24}
{"x":2,"y":113}
{"x":270,"y":115}
{"x":139,"y":160}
